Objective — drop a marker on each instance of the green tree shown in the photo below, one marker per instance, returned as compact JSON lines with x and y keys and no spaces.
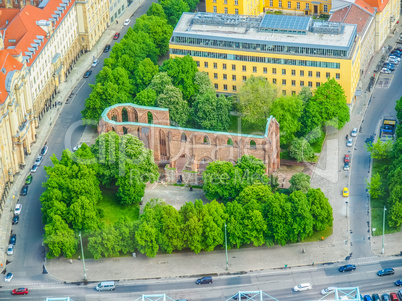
{"x":146,"y":97}
{"x":256,"y":192}
{"x":156,"y":27}
{"x":301,"y":150}
{"x":398,"y":109}
{"x":171,"y":237}
{"x":213,"y":220}
{"x":311,"y":122}
{"x":374,"y":186}
{"x":255,"y":227}
{"x":251,"y":165}
{"x":159,"y":82}
{"x":235,"y":224}
{"x":211,"y":112}
{"x":83,"y":214}
{"x":395,"y":216}
{"x":287,"y":110}
{"x":203,"y":83}
{"x":192,"y":4}
{"x":146,"y":238}
{"x":302,"y":220}
{"x":192,"y":225}
{"x":305,"y":95}
{"x":59,"y":238}
{"x":174,"y":9}
{"x":331,"y":100}
{"x":273,"y":182}
{"x":321,"y":209}
{"x":105,"y":242}
{"x":172,"y":99}
{"x":156,"y":10}
{"x":182,"y":70}
{"x":255,"y":97}
{"x":379,"y":150}
{"x":144,"y":73}
{"x":299,"y":182}
{"x":125,"y":229}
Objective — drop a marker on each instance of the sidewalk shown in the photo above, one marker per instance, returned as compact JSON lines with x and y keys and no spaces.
{"x":47,"y":122}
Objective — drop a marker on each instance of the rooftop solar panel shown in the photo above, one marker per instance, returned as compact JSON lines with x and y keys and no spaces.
{"x":283,"y":22}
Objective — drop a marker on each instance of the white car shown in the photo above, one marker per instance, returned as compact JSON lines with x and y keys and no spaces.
{"x":75,"y":148}
{"x":34,"y":168}
{"x":8,"y":277}
{"x":95,"y":63}
{"x":349,"y":143}
{"x":395,"y":58}
{"x":17,"y":210}
{"x":127,"y":22}
{"x":385,"y":70}
{"x":302,"y":287}
{"x":328,"y":290}
{"x":354,"y":132}
{"x":38,"y":160}
{"x":10,"y":249}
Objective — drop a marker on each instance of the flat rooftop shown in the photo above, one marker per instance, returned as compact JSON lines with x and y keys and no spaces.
{"x":252,"y":29}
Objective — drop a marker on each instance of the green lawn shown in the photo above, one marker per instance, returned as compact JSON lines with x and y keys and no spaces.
{"x":113,"y":210}
{"x":317,"y":236}
{"x":377,"y":205}
{"x":317,"y":146}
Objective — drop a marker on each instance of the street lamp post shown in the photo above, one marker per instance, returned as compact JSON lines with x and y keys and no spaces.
{"x":226,"y":248}
{"x":383,"y":230}
{"x":347,"y":203}
{"x":83,"y":259}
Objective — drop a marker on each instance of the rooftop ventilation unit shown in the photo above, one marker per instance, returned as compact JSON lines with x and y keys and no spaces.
{"x":327,"y":27}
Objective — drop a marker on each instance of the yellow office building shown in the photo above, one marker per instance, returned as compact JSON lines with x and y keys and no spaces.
{"x":235,"y":7}
{"x":290,"y":51}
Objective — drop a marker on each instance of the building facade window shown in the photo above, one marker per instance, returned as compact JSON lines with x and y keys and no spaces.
{"x":302,"y":83}
{"x":301,"y":72}
{"x":216,"y":86}
{"x":289,"y":4}
{"x":283,"y":71}
{"x":317,"y":84}
{"x":225,"y":76}
{"x":233,"y":77}
{"x":338,"y":76}
{"x":265,"y":70}
{"x":307,"y":6}
{"x":215,"y":75}
{"x":244,"y":78}
{"x":327,"y":75}
{"x":298,"y":5}
{"x":310,"y":84}
{"x":254,"y":69}
{"x":273,"y":70}
{"x":215,"y":65}
{"x":293,"y":72}
{"x":198,"y":63}
{"x":224,"y":66}
{"x":234,"y":88}
{"x":284,"y":82}
{"x":274,"y":81}
{"x":225,"y":87}
{"x":310,"y":74}
{"x":233,"y":67}
{"x":325,"y":8}
{"x":271,"y":3}
{"x":318,"y":74}
{"x":293,"y":83}
{"x":236,"y":11}
{"x":244,"y":68}
{"x":236,"y":2}
{"x":215,"y":9}
{"x":280,"y":3}
{"x":226,"y":10}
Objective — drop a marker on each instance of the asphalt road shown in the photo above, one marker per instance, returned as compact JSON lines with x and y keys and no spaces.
{"x":277,"y":284}
{"x":382,"y":104}
{"x":26,"y":263}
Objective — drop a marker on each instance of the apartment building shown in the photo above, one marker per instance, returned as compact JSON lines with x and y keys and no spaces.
{"x":292,"y":52}
{"x":297,"y":7}
{"x":116,"y":8}
{"x":235,"y":7}
{"x":18,"y":4}
{"x":363,"y":15}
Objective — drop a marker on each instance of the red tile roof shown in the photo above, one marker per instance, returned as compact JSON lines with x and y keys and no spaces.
{"x":354,"y":14}
{"x":364,"y":5}
{"x":379,"y":4}
{"x":8,"y":64}
{"x":22,"y":30}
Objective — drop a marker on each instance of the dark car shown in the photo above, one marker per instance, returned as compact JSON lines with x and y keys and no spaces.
{"x":389,"y":66}
{"x":24,"y":190}
{"x":386,"y":272}
{"x":20,"y":291}
{"x":87,"y":74}
{"x":13,"y":239}
{"x":375,"y":297}
{"x":116,"y":36}
{"x":107,"y":48}
{"x":28,"y":180}
{"x":347,"y":268}
{"x":396,"y":53}
{"x":398,"y":282}
{"x":204,"y":280}
{"x":385,"y":297}
{"x":16,"y":219}
{"x":367,"y":298}
{"x":44,"y":150}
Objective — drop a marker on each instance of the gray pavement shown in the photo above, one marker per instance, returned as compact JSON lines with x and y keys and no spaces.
{"x":327,"y":175}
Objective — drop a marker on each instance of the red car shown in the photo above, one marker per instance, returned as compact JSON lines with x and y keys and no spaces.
{"x":393,"y":297}
{"x":346,"y":159}
{"x":20,"y":291}
{"x":116,"y":36}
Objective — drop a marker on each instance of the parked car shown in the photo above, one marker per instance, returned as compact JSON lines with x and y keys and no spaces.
{"x":347,"y":268}
{"x":34,"y":168}
{"x":75,"y":148}
{"x":399,"y":293}
{"x":346,"y":159}
{"x":116,"y":36}
{"x":17,"y":209}
{"x":354,"y":132}
{"x":345,"y":192}
{"x":394,"y":58}
{"x":16,"y":219}
{"x":44,"y":150}
{"x":95,"y":63}
{"x":396,"y":53}
{"x":87,"y":74}
{"x":10,"y":249}
{"x":389,"y":66}
{"x":20,"y":291}
{"x":13,"y":239}
{"x":24,"y":190}
{"x":328,"y":290}
{"x":392,"y":61}
{"x":346,"y":167}
{"x":385,"y":297}
{"x":394,"y":297}
{"x":398,"y":282}
{"x":367,"y":298}
{"x":28,"y":180}
{"x":8,"y":277}
{"x":204,"y":280}
{"x":349,"y":143}
{"x":386,"y":272}
{"x":243,"y":296}
{"x":107,"y":48}
{"x":302,"y":287}
{"x":38,"y":160}
{"x":376,"y":297}
{"x":385,"y":70}
{"x":127,"y":22}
